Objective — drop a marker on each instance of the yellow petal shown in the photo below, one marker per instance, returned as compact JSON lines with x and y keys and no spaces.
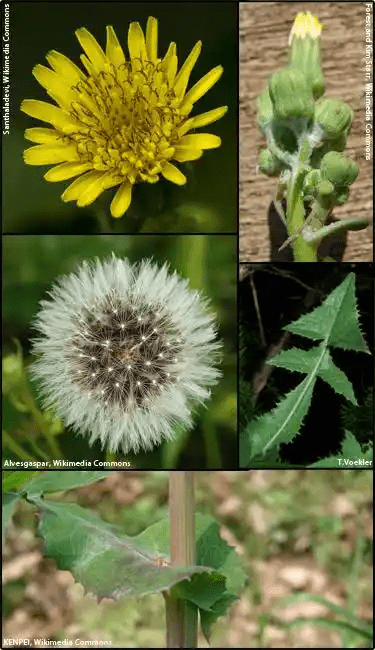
{"x":203,"y":85}
{"x":114,"y":51}
{"x":49,"y":154}
{"x":171,"y":173}
{"x":136,"y":42}
{"x":65,"y":67}
{"x":183,"y":154}
{"x":200,"y":141}
{"x":41,"y":136}
{"x":49,"y":113}
{"x":169,"y":64}
{"x":88,"y":65}
{"x":121,"y":200}
{"x":96,"y":188}
{"x":80,"y":185}
{"x":66,"y":170}
{"x":171,"y":70}
{"x":92,"y":48}
{"x":182,"y":78}
{"x":56,"y":86}
{"x":207,"y":118}
{"x":152,"y":39}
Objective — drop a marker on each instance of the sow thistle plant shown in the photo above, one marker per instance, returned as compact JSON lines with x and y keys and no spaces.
{"x":124,"y":351}
{"x":111,"y":564}
{"x":306,"y":135}
{"x":122,"y":121}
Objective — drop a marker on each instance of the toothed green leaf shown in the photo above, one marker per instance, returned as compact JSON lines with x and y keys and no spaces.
{"x":306,"y":360}
{"x":106,"y":562}
{"x":58,"y":481}
{"x":335,"y":321}
{"x":283,"y":423}
{"x":350,"y":447}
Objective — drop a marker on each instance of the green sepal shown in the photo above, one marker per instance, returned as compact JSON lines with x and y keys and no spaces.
{"x":290,"y":94}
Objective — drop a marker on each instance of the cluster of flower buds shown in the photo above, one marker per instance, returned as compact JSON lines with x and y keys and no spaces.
{"x":331,"y":182}
{"x":291,"y":110}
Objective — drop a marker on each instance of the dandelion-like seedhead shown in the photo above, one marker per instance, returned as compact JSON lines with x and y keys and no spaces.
{"x":122,"y":122}
{"x":124,"y":351}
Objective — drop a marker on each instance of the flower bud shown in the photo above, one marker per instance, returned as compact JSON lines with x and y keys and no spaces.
{"x":269,"y":164}
{"x":265,"y":109}
{"x":305,"y":51}
{"x":334,"y":116}
{"x":310,"y":183}
{"x":339,"y":169}
{"x":312,"y":179}
{"x":325,"y":188}
{"x":290,"y":94}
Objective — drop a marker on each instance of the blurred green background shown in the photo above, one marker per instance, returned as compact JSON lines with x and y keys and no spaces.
{"x":207,"y":203}
{"x":296,"y":531}
{"x":32,"y":264}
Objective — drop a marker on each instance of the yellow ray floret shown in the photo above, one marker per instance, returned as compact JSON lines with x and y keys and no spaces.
{"x":306,"y":24}
{"x":123,"y":121}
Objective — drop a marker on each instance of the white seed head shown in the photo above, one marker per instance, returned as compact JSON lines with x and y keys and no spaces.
{"x":110,"y":318}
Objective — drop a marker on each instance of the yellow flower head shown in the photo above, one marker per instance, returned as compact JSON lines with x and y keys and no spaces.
{"x":122,"y":121}
{"x":305,"y":23}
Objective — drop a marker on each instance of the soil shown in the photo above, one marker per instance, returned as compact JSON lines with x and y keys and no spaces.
{"x":264,"y":32}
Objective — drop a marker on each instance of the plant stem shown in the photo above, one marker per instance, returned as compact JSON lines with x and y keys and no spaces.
{"x":182,"y":616}
{"x":295,"y":212}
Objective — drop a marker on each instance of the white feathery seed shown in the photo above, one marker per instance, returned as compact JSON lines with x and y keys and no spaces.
{"x":123,"y":352}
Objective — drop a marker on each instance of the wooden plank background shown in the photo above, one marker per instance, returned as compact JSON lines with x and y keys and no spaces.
{"x":264,"y":32}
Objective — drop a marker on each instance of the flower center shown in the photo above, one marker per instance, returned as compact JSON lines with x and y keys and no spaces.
{"x":123,"y":354}
{"x":129,"y":117}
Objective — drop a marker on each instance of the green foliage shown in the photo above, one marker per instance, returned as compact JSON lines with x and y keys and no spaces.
{"x":334,"y":323}
{"x":57,"y":481}
{"x":13,"y":479}
{"x":113,"y":565}
{"x":10,"y":500}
